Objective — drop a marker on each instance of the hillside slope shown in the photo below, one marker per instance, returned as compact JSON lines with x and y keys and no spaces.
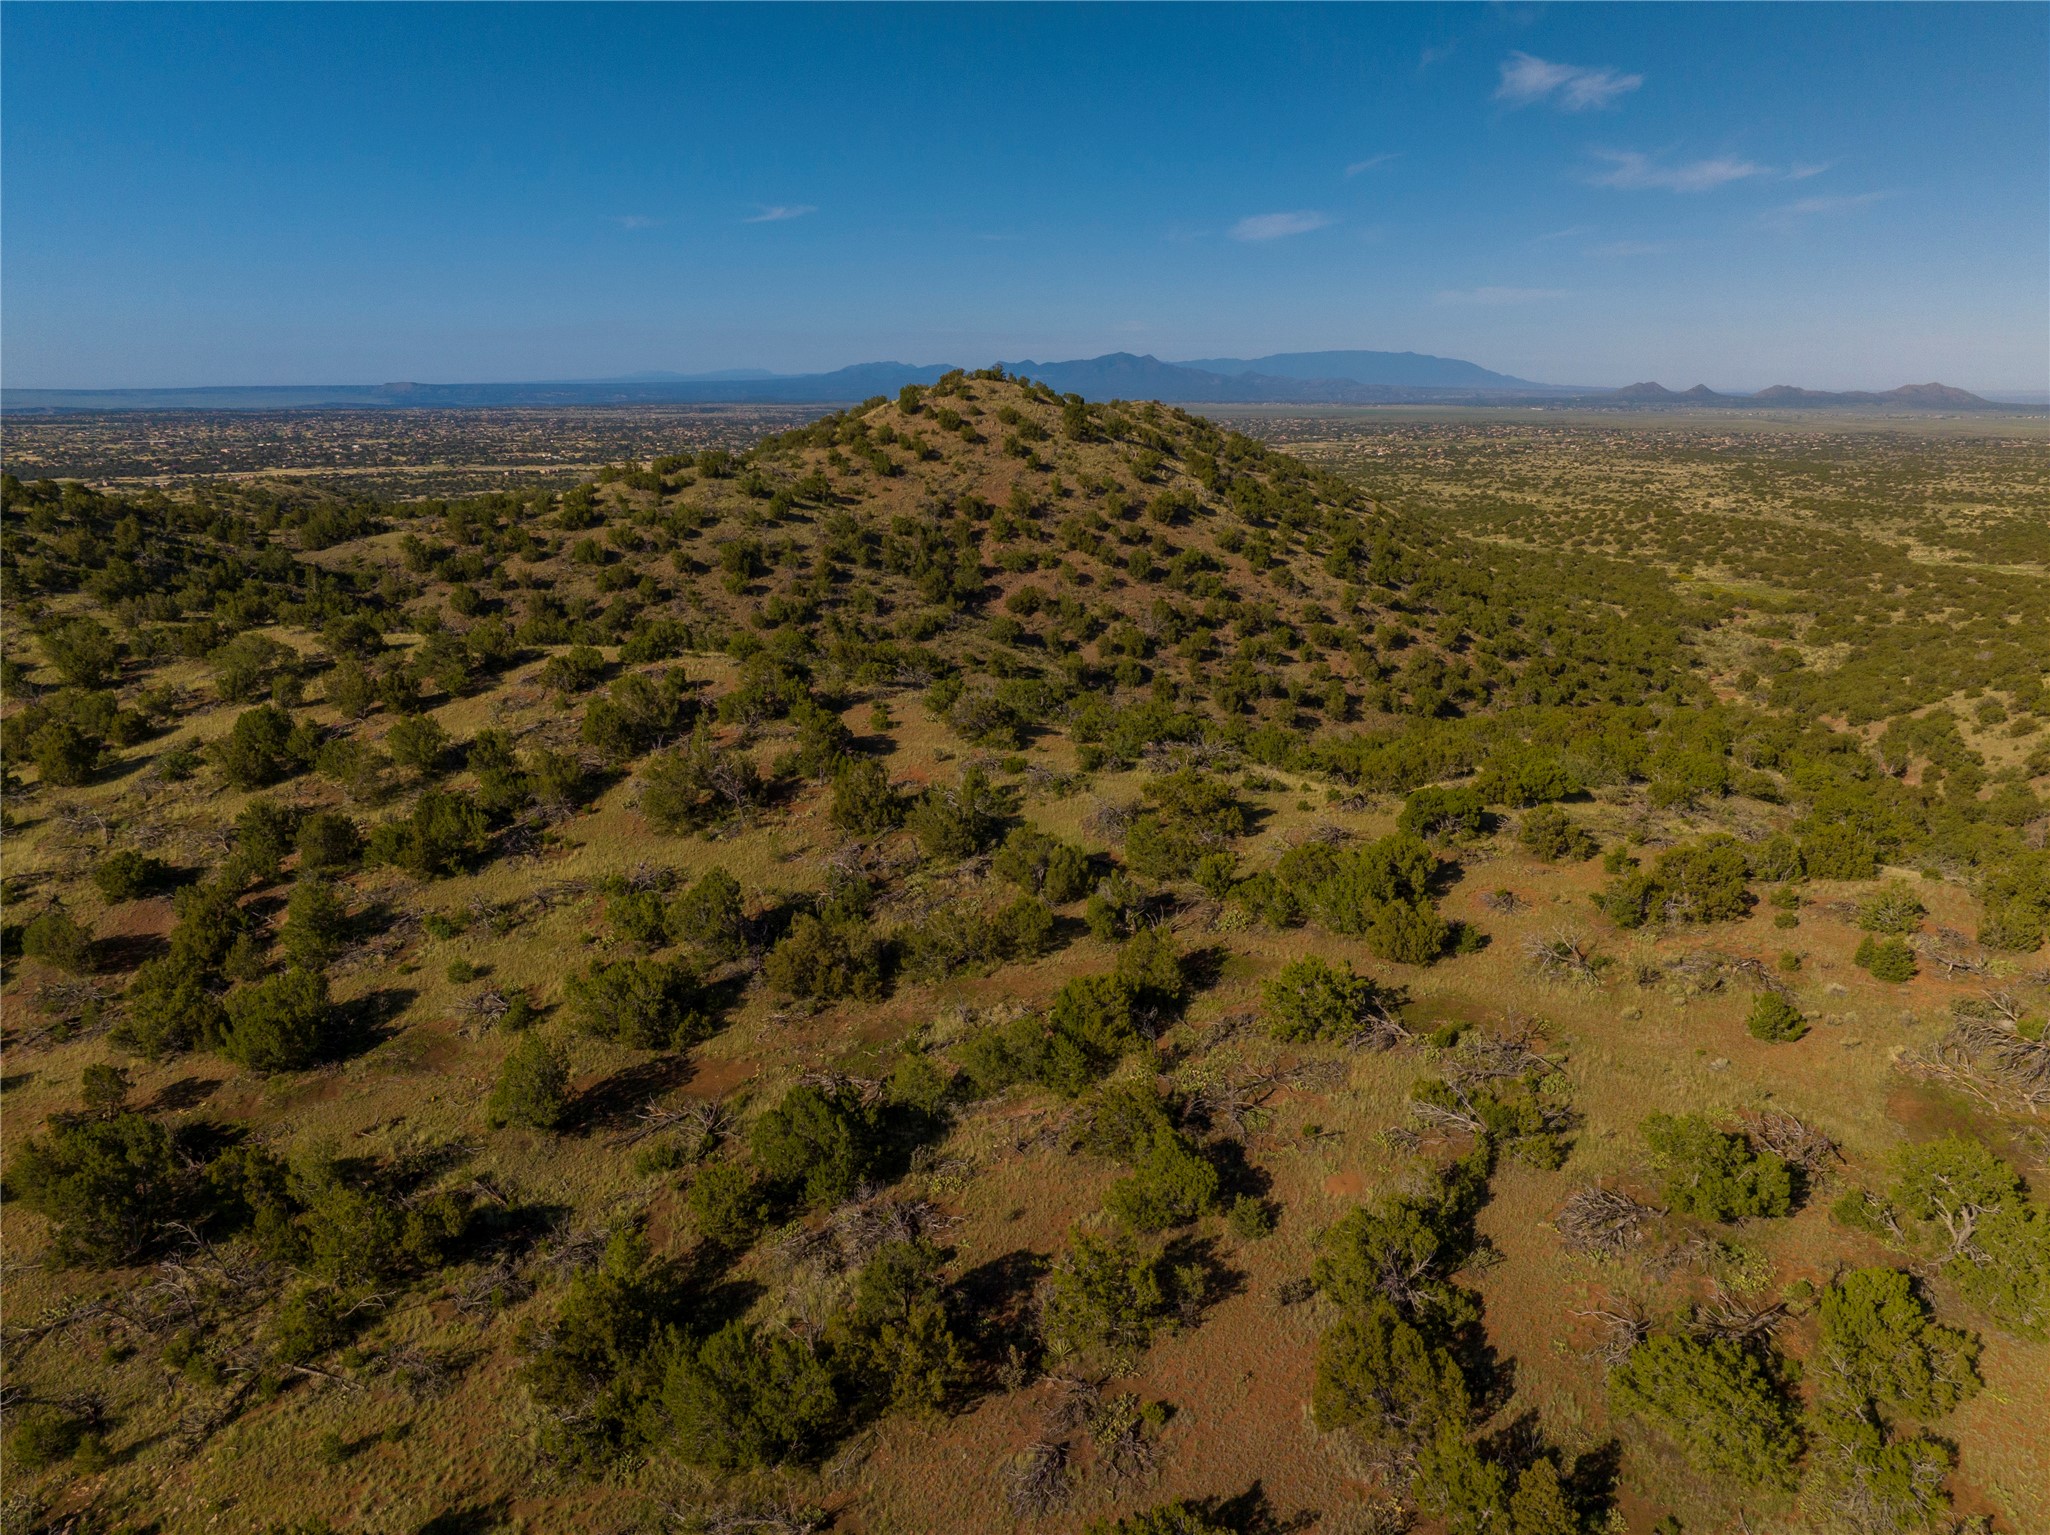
{"x":989,"y":959}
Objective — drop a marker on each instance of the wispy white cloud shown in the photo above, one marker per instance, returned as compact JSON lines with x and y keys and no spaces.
{"x":1359,"y":166}
{"x":635,"y":221}
{"x":1800,"y":172}
{"x":1567,"y":233}
{"x":1635,"y":172}
{"x":1527,"y":80}
{"x":1628,"y":248}
{"x":1497,"y":296}
{"x":1278,"y":226}
{"x":777,"y":213}
{"x":1805,"y":208}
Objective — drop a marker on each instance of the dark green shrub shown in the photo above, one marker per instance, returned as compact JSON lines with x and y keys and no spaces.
{"x":1886,"y":959}
{"x":1443,"y":814}
{"x":1773,"y":1017}
{"x":1177,"y":1518}
{"x":1108,"y":1298}
{"x":1715,"y":1174}
{"x":1714,"y":1401}
{"x":279,"y":1024}
{"x":59,"y":940}
{"x":726,"y":1204}
{"x":826,"y":960}
{"x":1380,"y":1378}
{"x":746,"y":1398}
{"x":66,"y":757}
{"x":1056,"y":871}
{"x":709,"y":916}
{"x":444,"y":833}
{"x":863,"y":800}
{"x":952,"y":824}
{"x":532,"y":1087}
{"x":329,"y":843}
{"x":1547,"y":832}
{"x":105,"y":1185}
{"x":1893,"y":908}
{"x":263,"y":747}
{"x":1972,"y":1207}
{"x":82,"y":651}
{"x":647,"y":1003}
{"x":1702,"y":883}
{"x":817,"y":1144}
{"x":599,"y":1369}
{"x":418,"y":742}
{"x":896,"y":1334}
{"x":316,"y":924}
{"x":1185,"y":816}
{"x":1838,"y":851}
{"x":126,"y":874}
{"x":169,"y":1009}
{"x":698,"y":784}
{"x":42,"y":1435}
{"x":263,"y":837}
{"x":1881,"y":1349}
{"x":1311,"y":999}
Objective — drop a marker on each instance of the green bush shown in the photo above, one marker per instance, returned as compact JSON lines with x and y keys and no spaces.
{"x":42,"y":1435}
{"x":1311,"y":999}
{"x":1377,"y":1375}
{"x":1177,"y":1518}
{"x":444,"y":833}
{"x":263,"y":747}
{"x":316,"y":924}
{"x":169,"y":1009}
{"x":952,"y":824}
{"x":1714,"y":1401}
{"x":59,"y":940}
{"x":418,"y":742}
{"x":1881,"y":1349}
{"x":647,"y":1003}
{"x":826,"y":960}
{"x":726,"y":1204}
{"x":126,"y":874}
{"x":1838,"y":851}
{"x":1185,"y":816}
{"x":1994,"y":1245}
{"x":1715,"y":1174}
{"x":698,"y":784}
{"x":1773,"y":1017}
{"x":1444,"y":815}
{"x":709,"y":916}
{"x":599,"y":1368}
{"x":1108,"y":1298}
{"x":746,"y":1398}
{"x":279,"y":1024}
{"x":105,"y":1185}
{"x":1547,"y":832}
{"x":1893,"y":908}
{"x":329,"y":843}
{"x":863,"y":800}
{"x":1702,"y":883}
{"x":816,"y":1144}
{"x":1056,"y":871}
{"x":532,"y":1087}
{"x":1886,"y":959}
{"x":66,"y":757}
{"x":895,"y":1334}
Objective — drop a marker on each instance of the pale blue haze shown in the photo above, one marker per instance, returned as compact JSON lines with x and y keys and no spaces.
{"x":1838,"y":196}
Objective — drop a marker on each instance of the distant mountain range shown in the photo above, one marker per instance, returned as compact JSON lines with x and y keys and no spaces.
{"x":1284,"y":378}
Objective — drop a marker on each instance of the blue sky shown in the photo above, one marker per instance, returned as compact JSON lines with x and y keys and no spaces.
{"x":1830,"y":195}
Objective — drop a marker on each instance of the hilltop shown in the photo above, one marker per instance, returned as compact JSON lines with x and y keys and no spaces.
{"x":990,"y":956}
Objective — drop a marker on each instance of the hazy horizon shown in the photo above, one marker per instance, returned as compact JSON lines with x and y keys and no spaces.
{"x":1844,"y":197}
